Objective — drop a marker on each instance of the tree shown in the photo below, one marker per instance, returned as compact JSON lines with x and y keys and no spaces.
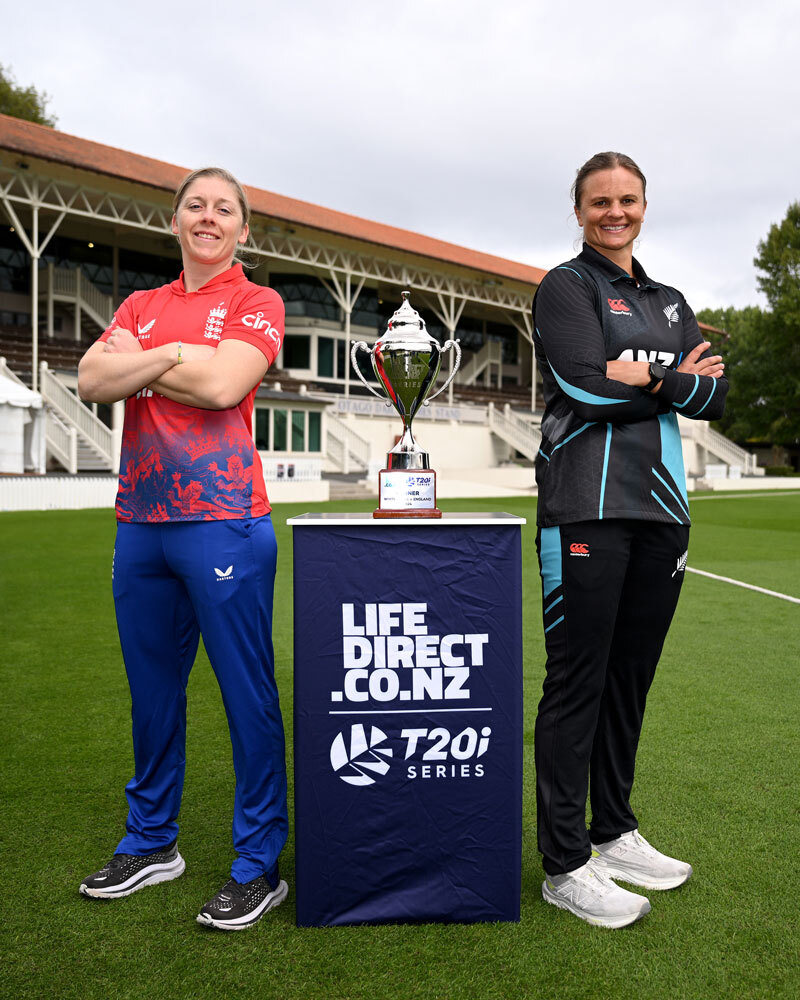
{"x":762,"y":346}
{"x":23,"y":102}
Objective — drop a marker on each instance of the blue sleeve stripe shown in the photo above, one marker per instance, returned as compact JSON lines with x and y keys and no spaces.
{"x":680,"y":406}
{"x":550,"y":608}
{"x":670,"y":490}
{"x":581,"y":395}
{"x":605,"y":471}
{"x":580,"y":430}
{"x":656,"y":497}
{"x":713,"y":390}
{"x":558,"y":621}
{"x":545,"y":457}
{"x":563,"y":268}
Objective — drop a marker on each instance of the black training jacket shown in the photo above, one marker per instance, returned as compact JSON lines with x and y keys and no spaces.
{"x":610,"y":449}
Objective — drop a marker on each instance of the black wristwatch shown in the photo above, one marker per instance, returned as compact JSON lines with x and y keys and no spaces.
{"x":657,"y":373}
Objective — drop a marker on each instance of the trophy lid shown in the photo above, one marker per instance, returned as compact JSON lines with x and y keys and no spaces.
{"x":407,"y":321}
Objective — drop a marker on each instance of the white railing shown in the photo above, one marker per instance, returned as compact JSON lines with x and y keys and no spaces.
{"x":5,"y":370}
{"x":72,"y":285}
{"x":56,"y":492}
{"x":719,"y":446}
{"x":75,"y":414}
{"x":345,"y":447}
{"x":62,"y":441}
{"x":490,"y":353}
{"x":301,"y":470}
{"x":519,"y":433}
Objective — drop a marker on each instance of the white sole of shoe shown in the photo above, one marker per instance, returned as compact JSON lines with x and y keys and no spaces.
{"x":612,"y":923}
{"x":242,"y":923}
{"x":143,"y":878}
{"x":637,"y":878}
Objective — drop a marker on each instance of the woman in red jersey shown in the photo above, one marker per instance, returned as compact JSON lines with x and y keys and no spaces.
{"x":195,"y":549}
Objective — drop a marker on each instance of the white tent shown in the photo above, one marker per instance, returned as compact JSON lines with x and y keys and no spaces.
{"x":22,"y":428}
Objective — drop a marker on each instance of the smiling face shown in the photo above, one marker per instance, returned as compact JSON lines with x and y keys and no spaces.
{"x":209,"y":224}
{"x":611,"y":212}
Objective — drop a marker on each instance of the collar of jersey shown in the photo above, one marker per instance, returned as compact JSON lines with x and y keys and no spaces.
{"x":615,"y":273}
{"x":230,"y":277}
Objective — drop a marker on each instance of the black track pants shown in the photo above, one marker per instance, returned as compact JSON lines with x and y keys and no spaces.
{"x":610,"y":590}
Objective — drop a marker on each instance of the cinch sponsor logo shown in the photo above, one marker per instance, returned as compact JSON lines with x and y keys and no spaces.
{"x":579,"y":549}
{"x":256,"y":321}
{"x":224,"y":574}
{"x":388,"y":655}
{"x":619,"y":306}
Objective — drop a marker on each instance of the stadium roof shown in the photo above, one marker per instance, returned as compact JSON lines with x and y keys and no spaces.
{"x":27,"y":139}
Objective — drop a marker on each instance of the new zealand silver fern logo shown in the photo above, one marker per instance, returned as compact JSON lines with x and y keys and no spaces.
{"x":671,"y":312}
{"x":363,"y":759}
{"x":681,"y":567}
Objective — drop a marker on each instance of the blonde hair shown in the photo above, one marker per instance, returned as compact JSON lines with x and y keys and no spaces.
{"x":240,"y":254}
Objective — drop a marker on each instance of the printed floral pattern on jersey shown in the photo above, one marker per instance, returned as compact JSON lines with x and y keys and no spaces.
{"x":184,"y":463}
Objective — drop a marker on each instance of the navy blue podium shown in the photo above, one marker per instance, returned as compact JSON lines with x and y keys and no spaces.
{"x":407,"y":718}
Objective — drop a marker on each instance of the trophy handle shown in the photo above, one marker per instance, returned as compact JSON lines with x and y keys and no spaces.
{"x":354,"y":363}
{"x":448,"y":344}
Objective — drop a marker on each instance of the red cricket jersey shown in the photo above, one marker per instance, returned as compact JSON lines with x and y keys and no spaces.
{"x":179,"y":462}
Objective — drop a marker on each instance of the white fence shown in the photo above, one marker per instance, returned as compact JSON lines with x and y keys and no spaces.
{"x":56,"y":492}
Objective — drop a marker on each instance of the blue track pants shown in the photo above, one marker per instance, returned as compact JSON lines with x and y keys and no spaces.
{"x":172,"y":582}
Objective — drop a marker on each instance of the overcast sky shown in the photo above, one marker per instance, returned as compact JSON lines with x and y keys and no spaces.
{"x":463,"y":120}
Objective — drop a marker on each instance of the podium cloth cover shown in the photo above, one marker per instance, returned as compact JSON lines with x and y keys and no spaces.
{"x":407,"y":718}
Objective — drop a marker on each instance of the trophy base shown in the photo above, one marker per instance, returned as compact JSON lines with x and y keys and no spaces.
{"x":379,"y":512}
{"x":405,"y":493}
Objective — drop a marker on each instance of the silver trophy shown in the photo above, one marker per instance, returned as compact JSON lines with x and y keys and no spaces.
{"x":406,"y":361}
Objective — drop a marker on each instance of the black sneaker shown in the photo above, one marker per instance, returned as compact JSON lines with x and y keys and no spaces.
{"x":239,"y":905}
{"x":127,"y":873}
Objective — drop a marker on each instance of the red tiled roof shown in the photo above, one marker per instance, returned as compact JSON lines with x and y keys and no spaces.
{"x":28,"y":139}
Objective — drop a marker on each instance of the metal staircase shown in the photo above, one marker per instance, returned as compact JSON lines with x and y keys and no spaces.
{"x":70,"y":285}
{"x":491,"y":354}
{"x":514,"y":430}
{"x":75,"y":437}
{"x":720,"y":447}
{"x":345,"y":449}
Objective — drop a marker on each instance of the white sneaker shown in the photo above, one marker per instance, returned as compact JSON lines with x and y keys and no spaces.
{"x":630,"y":858}
{"x":591,"y":895}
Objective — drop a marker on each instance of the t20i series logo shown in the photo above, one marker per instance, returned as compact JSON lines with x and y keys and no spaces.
{"x":359,"y":758}
{"x":362,"y":760}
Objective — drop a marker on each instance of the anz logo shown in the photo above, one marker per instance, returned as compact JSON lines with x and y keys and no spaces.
{"x":664,"y":358}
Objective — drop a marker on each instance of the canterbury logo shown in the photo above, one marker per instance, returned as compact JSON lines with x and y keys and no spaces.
{"x":619,"y":306}
{"x":224,"y":574}
{"x":681,"y":567}
{"x":145,"y":329}
{"x":579,"y":549}
{"x":671,"y":312}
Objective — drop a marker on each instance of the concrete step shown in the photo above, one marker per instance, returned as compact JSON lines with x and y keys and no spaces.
{"x":350,"y":491}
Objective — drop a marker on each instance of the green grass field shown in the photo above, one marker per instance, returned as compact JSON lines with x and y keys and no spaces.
{"x":717,"y":784}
